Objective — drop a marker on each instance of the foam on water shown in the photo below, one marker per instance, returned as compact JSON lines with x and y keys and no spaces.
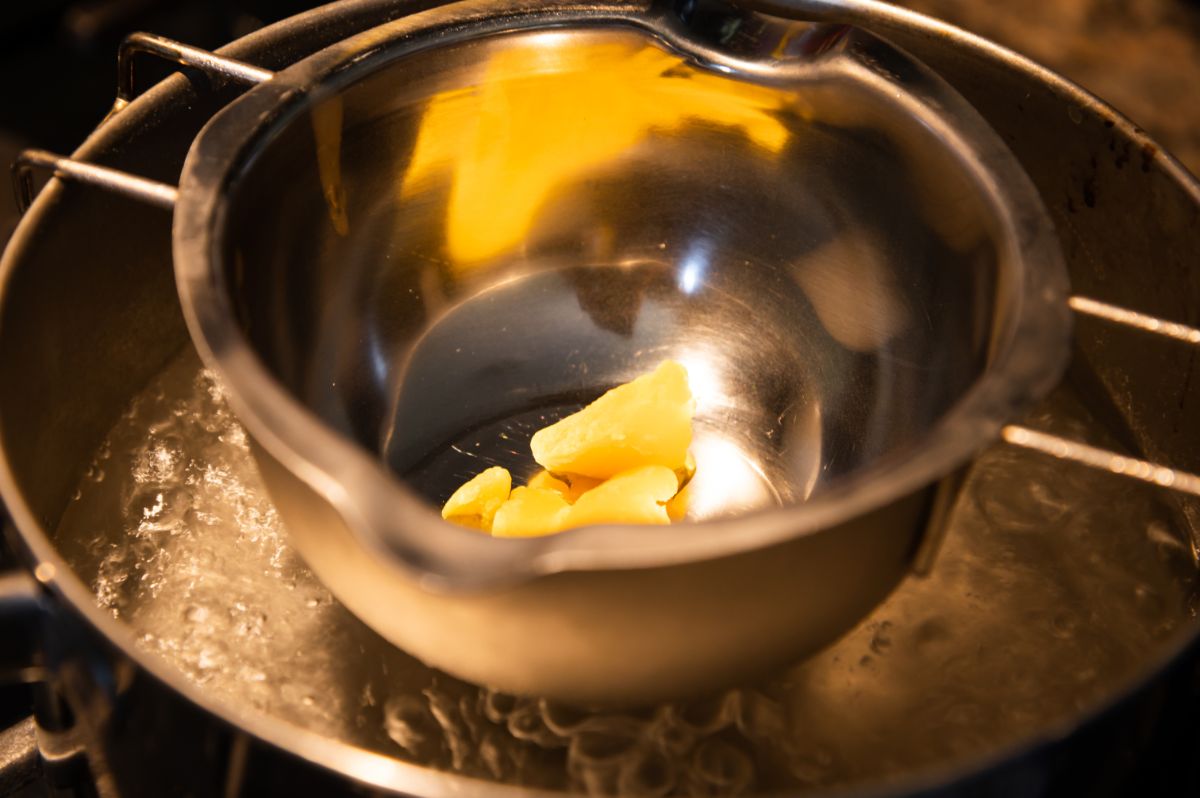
{"x":1051,"y":587}
{"x":180,"y":541}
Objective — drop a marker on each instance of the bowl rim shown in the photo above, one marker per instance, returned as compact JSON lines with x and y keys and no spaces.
{"x":406,"y":532}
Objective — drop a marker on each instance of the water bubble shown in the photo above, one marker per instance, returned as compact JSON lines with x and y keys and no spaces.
{"x":1149,"y":601}
{"x":881,"y":640}
{"x":158,"y":509}
{"x":160,"y":462}
{"x":251,"y":624}
{"x":1160,"y":534}
{"x":650,"y":773}
{"x":723,"y":767}
{"x":447,"y":714}
{"x":196,"y":613}
{"x":676,"y":739}
{"x":561,"y":719}
{"x":144,"y":551}
{"x":111,"y":576}
{"x":707,"y":716}
{"x":206,"y":659}
{"x":760,"y":717}
{"x":234,"y":435}
{"x":526,"y":723}
{"x":162,"y":426}
{"x":1064,"y":625}
{"x":931,"y":633}
{"x":497,"y":706}
{"x":254,"y":675}
{"x":491,"y":754}
{"x":601,"y":746}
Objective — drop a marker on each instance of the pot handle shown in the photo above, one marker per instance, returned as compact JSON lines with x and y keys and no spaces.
{"x":214,"y":66}
{"x":950,"y":487}
{"x":149,"y":191}
{"x":1103,"y":459}
{"x":217,"y":67}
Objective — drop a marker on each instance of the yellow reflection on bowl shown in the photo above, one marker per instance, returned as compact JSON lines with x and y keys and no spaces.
{"x":547,"y":112}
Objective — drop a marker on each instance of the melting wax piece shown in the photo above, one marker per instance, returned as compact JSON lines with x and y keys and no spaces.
{"x":529,"y":512}
{"x":637,"y":496}
{"x":569,"y":486}
{"x":621,"y":460}
{"x":644,"y":422}
{"x":475,"y":503}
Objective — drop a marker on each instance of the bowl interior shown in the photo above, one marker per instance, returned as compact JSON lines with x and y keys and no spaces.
{"x":476,"y":239}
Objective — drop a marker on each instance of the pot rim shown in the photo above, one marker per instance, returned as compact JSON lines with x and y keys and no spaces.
{"x":384,"y":772}
{"x":1028,"y":356}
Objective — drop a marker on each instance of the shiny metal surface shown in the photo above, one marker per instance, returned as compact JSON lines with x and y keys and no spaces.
{"x":149,"y":44}
{"x":735,"y":478}
{"x":153,"y":192}
{"x":674,"y":196}
{"x":18,"y":757}
{"x":149,"y":191}
{"x":1101,"y":459}
{"x":1135,"y":320}
{"x":1012,"y":628}
{"x":97,"y":306}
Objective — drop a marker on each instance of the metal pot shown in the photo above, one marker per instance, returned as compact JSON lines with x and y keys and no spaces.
{"x":338,"y":344}
{"x":116,"y":360}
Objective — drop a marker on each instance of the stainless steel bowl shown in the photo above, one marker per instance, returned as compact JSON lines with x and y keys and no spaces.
{"x":862,"y":281}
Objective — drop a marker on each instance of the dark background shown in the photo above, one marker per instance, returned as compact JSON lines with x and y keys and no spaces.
{"x":58,"y":73}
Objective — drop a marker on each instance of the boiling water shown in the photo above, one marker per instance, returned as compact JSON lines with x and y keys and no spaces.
{"x":1050,"y":589}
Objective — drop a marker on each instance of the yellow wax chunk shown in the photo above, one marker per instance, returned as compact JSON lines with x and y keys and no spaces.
{"x":637,"y":496}
{"x":531,"y":511}
{"x":475,"y":503}
{"x":544,"y":480}
{"x":569,"y":486}
{"x":579,"y":485}
{"x":644,"y":422}
{"x":677,"y":507}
